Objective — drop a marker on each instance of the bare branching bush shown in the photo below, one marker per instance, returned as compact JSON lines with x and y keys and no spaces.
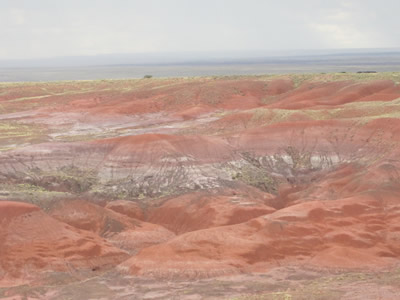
{"x":302,"y":159}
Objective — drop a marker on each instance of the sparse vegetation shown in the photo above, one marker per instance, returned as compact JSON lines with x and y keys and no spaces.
{"x":225,"y":160}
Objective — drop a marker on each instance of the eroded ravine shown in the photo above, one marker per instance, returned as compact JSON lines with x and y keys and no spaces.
{"x":184,"y":179}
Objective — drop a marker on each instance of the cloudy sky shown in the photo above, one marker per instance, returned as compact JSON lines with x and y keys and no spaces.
{"x":51,"y":28}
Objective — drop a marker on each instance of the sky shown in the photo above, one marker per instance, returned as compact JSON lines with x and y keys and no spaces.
{"x":34,"y":29}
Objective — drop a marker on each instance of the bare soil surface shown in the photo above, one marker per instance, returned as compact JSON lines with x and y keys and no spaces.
{"x":256,"y":187}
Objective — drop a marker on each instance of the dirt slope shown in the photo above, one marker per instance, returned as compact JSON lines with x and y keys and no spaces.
{"x":183,"y":179}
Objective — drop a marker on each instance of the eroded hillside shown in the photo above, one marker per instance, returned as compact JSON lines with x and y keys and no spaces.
{"x":278,"y":180}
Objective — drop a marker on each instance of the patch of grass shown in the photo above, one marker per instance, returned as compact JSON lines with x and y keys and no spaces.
{"x":26,"y":187}
{"x":14,"y":129}
{"x":329,"y":287}
{"x":31,"y":193}
{"x":256,"y":177}
{"x":268,"y":296}
{"x":299,"y":79}
{"x":362,"y":112}
{"x":13,"y":134}
{"x":81,"y":137}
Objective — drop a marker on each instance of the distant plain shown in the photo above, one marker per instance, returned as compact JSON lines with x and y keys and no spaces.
{"x":93,"y":68}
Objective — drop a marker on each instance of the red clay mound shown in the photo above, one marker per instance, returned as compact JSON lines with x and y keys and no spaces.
{"x":142,"y":236}
{"x":155,"y":147}
{"x":32,"y":241}
{"x":193,"y":112}
{"x":300,"y":135}
{"x":174,"y":96}
{"x":387,"y":94}
{"x":311,"y":233}
{"x":278,"y":87}
{"x":372,"y":90}
{"x":234,"y":122}
{"x":10,"y":210}
{"x":127,"y":208}
{"x":192,"y":98}
{"x":308,"y":94}
{"x":204,"y":210}
{"x":121,"y":230}
{"x":337,"y":140}
{"x":337,"y":93}
{"x":91,"y":217}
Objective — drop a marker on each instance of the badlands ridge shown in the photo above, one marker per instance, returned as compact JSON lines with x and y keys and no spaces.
{"x":189,"y":179}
